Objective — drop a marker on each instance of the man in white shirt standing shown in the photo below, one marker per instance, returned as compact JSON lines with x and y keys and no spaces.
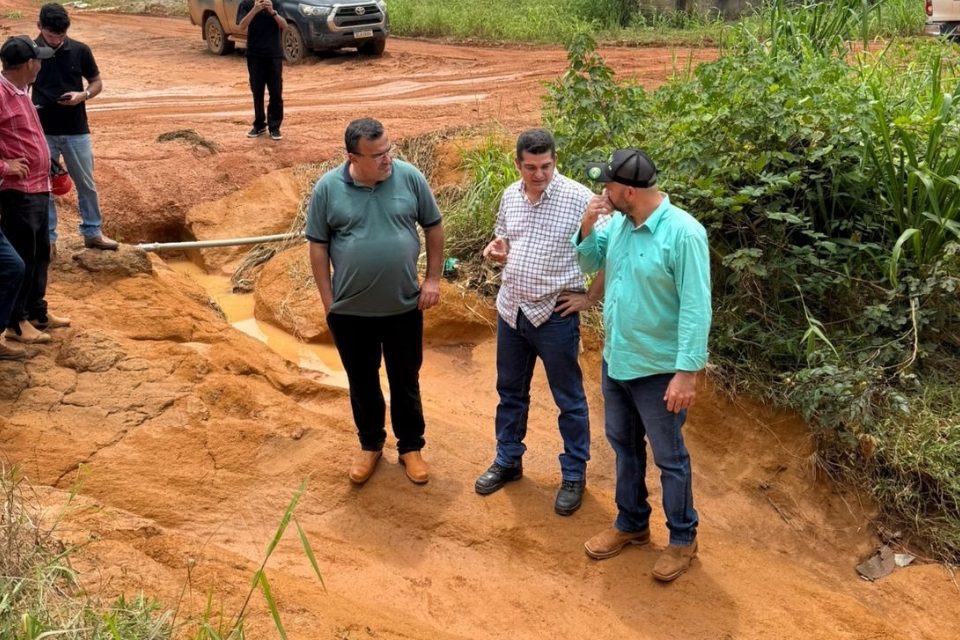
{"x":541,"y":295}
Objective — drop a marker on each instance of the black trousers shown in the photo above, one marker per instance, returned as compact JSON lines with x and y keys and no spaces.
{"x":23,"y":220}
{"x":361,"y":342}
{"x":266,"y":73}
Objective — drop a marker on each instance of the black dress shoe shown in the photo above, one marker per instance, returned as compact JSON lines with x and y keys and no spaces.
{"x":497,"y":476}
{"x":569,"y":497}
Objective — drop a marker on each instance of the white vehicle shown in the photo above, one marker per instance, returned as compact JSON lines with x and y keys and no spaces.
{"x":943,"y":18}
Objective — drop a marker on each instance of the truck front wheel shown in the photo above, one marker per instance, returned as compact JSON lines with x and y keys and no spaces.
{"x":217,"y":41}
{"x":372,"y":47}
{"x":292,"y":40}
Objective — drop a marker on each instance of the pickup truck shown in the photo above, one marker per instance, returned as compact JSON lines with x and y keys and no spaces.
{"x":312,"y":25}
{"x":943,"y":18}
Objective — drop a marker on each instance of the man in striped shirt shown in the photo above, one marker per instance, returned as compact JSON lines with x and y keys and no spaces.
{"x":541,"y":294}
{"x":25,"y":192}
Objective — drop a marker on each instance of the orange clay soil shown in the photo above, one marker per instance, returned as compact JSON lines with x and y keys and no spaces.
{"x":193,"y":437}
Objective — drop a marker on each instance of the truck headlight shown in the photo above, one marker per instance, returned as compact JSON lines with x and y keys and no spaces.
{"x":383,"y":5}
{"x":312,"y":11}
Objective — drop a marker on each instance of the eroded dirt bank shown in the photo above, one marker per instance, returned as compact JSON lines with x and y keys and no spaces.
{"x":193,"y":437}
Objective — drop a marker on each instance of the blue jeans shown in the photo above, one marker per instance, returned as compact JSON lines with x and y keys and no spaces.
{"x":635,"y":409}
{"x":11,"y":275}
{"x":78,"y":157}
{"x":557,"y":343}
{"x":23,"y":221}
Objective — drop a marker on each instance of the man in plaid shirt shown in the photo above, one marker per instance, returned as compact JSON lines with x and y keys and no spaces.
{"x":541,"y":294}
{"x":24,"y":195}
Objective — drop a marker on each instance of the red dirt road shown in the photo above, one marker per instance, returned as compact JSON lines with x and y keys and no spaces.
{"x":193,"y":437}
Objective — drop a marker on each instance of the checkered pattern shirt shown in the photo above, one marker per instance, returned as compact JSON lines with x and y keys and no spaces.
{"x":541,"y":262}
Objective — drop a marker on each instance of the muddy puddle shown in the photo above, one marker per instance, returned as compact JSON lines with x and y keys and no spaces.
{"x":239,"y":307}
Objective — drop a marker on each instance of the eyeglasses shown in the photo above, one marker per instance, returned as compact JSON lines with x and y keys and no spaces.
{"x":376,"y":157}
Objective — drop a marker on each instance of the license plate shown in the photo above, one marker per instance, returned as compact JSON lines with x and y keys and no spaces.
{"x":363,"y":34}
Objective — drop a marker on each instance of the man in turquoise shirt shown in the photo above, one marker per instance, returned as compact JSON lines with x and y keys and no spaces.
{"x":657,"y":318}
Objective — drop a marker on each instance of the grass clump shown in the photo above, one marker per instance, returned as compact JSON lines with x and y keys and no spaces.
{"x":40,"y":593}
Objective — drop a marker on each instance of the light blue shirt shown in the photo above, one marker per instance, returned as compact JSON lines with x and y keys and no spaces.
{"x":656,"y":310}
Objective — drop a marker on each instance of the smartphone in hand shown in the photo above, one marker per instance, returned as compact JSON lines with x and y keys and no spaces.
{"x":65,"y":98}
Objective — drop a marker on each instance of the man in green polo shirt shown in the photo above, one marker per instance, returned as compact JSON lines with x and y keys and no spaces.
{"x":656,"y":318}
{"x":363,"y":219}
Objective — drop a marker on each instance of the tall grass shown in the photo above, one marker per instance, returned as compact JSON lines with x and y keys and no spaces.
{"x":629,"y":21}
{"x":471,"y":220}
{"x":916,"y":152}
{"x":40,"y":592}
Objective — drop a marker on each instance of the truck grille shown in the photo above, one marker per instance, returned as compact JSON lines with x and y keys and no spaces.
{"x":357,"y":15}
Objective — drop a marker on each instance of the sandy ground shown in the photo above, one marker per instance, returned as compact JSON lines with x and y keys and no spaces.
{"x":191,"y":438}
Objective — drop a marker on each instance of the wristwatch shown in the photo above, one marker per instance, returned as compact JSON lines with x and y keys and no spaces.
{"x":86,"y":95}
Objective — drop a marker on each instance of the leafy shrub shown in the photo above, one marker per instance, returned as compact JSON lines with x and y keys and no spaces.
{"x":828,"y":181}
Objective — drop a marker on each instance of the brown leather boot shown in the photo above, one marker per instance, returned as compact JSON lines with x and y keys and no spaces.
{"x":101,"y":242}
{"x":609,"y":543}
{"x":416,"y":466}
{"x":364,"y":465}
{"x":674,"y":561}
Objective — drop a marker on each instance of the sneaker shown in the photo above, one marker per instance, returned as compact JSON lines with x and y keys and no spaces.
{"x":256,"y":133}
{"x":275,"y":134}
{"x":50,"y":321}
{"x":496,"y":476}
{"x":674,"y":561}
{"x":570,"y":497}
{"x":27,"y":333}
{"x":10,"y":351}
{"x":609,"y":543}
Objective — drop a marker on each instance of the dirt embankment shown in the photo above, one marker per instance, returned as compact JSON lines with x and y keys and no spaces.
{"x":192,"y":437}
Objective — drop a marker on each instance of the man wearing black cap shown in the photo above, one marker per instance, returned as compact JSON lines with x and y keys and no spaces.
{"x":25,"y":191}
{"x":657,"y":314}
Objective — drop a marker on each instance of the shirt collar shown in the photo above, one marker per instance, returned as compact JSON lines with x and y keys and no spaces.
{"x":4,"y":80}
{"x":345,"y":174}
{"x":547,"y":192}
{"x":654,"y":220}
{"x":64,"y":46}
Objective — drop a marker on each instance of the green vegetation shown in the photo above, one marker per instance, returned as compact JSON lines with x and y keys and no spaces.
{"x":827,"y":176}
{"x":609,"y":21}
{"x":41,"y":596}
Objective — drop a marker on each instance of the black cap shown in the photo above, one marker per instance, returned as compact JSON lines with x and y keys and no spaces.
{"x":19,"y":49}
{"x":631,"y":167}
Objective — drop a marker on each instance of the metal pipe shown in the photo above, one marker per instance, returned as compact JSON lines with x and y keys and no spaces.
{"x":206,"y":244}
